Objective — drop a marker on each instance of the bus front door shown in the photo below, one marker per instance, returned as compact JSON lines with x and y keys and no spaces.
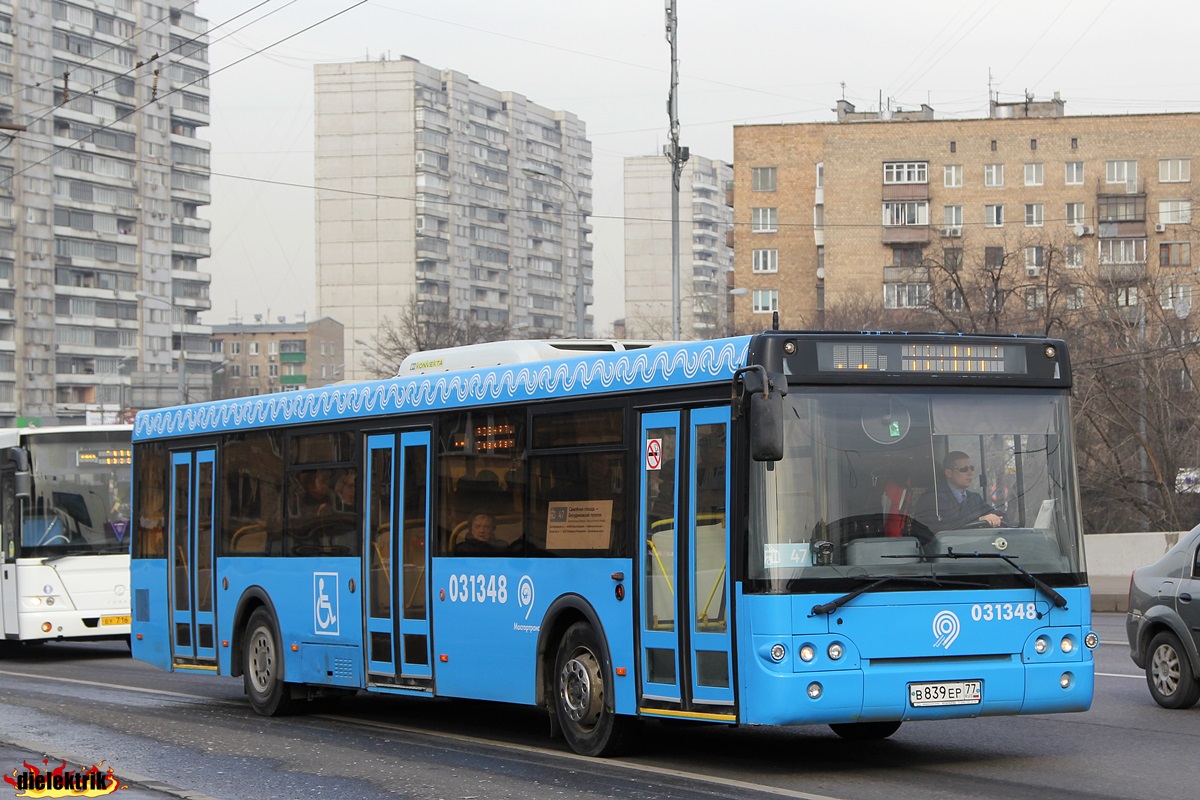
{"x":397,"y":538}
{"x":193,"y":621}
{"x":9,"y":539}
{"x":686,"y":642}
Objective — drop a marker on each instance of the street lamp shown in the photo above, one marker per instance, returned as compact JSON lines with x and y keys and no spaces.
{"x":181,"y":365}
{"x":580,"y":299}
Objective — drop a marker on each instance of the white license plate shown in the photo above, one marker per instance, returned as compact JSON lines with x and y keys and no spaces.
{"x":945,"y":693}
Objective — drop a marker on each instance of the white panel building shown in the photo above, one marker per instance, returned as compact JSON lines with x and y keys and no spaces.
{"x":102,"y":178}
{"x":436,"y":193}
{"x":706,"y":255}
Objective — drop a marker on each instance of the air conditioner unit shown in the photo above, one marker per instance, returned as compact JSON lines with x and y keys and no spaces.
{"x":954,"y":232}
{"x":1033,"y":272}
{"x":1084,"y":230}
{"x":1160,"y":227}
{"x":270,"y":358}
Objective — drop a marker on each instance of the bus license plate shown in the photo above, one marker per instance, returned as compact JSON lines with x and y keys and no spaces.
{"x":945,"y":693}
{"x":118,"y":619}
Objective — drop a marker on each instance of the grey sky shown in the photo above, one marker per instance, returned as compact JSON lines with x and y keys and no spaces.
{"x":608,"y":63}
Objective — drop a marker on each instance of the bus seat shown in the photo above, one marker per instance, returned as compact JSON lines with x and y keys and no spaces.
{"x":250,"y":538}
{"x":872,"y":550}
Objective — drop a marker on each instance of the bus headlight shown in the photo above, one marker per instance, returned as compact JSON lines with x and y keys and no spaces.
{"x":1065,"y":680}
{"x":1067,"y":644}
{"x":1091,"y":640}
{"x":835,"y":650}
{"x":34,"y":601}
{"x":778,"y":651}
{"x":815,"y":690}
{"x":807,"y":653}
{"x":1041,"y":645}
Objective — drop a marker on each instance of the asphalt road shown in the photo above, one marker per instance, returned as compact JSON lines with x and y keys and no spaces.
{"x":194,"y":736}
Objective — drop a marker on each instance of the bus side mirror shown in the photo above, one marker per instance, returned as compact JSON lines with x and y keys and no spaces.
{"x":23,"y":485}
{"x":763,"y":392}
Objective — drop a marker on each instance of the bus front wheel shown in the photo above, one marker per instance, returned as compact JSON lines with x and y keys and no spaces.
{"x":262,"y":667}
{"x":582,"y":700}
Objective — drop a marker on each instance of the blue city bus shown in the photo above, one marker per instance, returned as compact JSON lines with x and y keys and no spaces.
{"x":749,"y":531}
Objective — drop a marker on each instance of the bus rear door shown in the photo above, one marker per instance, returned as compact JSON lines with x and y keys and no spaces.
{"x":193,"y":621}
{"x":397,"y":539}
{"x":686,"y":661}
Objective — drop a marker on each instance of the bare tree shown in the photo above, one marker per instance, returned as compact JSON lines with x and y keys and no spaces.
{"x":422,"y":325}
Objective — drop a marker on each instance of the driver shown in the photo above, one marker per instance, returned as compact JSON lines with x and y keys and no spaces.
{"x":954,"y":505}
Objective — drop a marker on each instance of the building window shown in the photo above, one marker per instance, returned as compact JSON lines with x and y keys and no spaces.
{"x":994,"y":148}
{"x":993,"y":257}
{"x":1076,"y":214}
{"x":765,"y":301}
{"x":1121,"y":208}
{"x":952,"y":258}
{"x":906,"y":172}
{"x":1033,"y":175}
{"x":1035,"y":257}
{"x":1174,"y":170}
{"x":254,"y":348}
{"x":1074,"y":143}
{"x":1122,"y":251}
{"x":913,"y":212}
{"x":1035,"y":215}
{"x":1033,"y":144}
{"x":953,"y":216}
{"x":254,"y":370}
{"x":953,"y":299}
{"x":1123,"y":296}
{"x":820,"y":174}
{"x":273,"y":370}
{"x":1075,"y":298}
{"x":235,"y":370}
{"x":993,"y":216}
{"x":762,"y":220}
{"x":1073,"y":255}
{"x":235,"y":348}
{"x":765,"y":261}
{"x":1120,"y":171}
{"x":1035,"y":297}
{"x":1174,"y":212}
{"x":953,"y":174}
{"x":273,"y":348}
{"x":1074,"y":173}
{"x":993,"y":175}
{"x":1175,"y":254}
{"x":953,"y":147}
{"x":907,"y":255}
{"x":905,"y":295}
{"x":1176,"y":295}
{"x":762,"y":179}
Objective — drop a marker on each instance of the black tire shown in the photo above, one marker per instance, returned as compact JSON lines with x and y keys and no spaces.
{"x":262,"y":667}
{"x":1169,"y":673}
{"x":582,"y":702}
{"x":865,"y":731}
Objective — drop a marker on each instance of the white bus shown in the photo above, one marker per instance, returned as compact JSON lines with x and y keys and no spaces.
{"x":64,"y":532}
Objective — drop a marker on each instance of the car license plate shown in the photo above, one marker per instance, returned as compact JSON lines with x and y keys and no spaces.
{"x":945,"y":693}
{"x":116,"y":619}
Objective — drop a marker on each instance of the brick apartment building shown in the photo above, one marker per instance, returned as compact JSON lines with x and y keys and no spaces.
{"x":825,"y":213}
{"x":265,"y":357}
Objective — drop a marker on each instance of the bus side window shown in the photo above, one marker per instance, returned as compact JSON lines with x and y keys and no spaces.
{"x":149,"y":540}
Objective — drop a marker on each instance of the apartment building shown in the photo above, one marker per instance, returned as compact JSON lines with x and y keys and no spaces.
{"x":440,"y":196}
{"x":829,"y":213}
{"x":281,"y":356}
{"x":706,"y":248}
{"x":102,"y":178}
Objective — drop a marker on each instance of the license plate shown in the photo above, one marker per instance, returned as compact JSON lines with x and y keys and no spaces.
{"x":945,"y":693}
{"x":117,"y":619}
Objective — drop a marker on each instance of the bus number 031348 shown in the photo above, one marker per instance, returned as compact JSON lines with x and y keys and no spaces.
{"x":478,"y":588}
{"x":989,"y":612}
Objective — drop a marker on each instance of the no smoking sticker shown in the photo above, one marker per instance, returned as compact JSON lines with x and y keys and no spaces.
{"x":653,"y":454}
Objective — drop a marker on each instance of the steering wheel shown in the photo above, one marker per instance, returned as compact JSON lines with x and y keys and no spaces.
{"x":977,"y":524}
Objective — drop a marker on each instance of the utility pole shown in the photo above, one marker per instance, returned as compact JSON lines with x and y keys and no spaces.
{"x":678,"y":156}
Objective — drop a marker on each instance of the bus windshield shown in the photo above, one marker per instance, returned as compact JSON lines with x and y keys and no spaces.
{"x":80,"y":501}
{"x":943,"y":482}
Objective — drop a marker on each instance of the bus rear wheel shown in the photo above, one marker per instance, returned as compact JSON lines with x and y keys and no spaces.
{"x":865,"y":731}
{"x":262,"y":667}
{"x":582,"y":700}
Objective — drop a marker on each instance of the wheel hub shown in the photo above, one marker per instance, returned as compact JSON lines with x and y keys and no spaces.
{"x":582,"y":689}
{"x":1165,"y":670}
{"x":261,"y":661}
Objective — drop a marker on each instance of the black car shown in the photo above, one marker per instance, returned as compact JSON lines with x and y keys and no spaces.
{"x":1163,"y":623}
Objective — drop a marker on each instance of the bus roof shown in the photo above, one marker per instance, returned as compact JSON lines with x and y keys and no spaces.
{"x":511,"y":351}
{"x":589,"y":373}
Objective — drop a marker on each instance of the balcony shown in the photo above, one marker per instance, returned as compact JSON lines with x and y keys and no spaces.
{"x":1122,"y":273}
{"x":906,"y":234}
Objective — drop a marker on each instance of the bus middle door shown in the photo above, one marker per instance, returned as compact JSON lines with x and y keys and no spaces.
{"x":686,"y":641}
{"x":193,"y":621}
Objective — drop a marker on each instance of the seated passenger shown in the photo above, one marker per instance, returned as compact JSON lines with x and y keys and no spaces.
{"x":480,"y":538}
{"x":952,"y":505}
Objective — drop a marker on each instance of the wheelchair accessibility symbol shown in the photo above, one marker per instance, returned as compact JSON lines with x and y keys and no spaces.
{"x":325,"y":603}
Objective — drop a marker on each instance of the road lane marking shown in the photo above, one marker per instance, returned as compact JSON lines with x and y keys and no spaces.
{"x":1120,"y":675}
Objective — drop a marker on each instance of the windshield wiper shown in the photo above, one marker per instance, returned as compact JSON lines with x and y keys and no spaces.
{"x":1033,"y":580}
{"x":838,"y":602}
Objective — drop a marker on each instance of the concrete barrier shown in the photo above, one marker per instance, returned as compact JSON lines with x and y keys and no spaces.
{"x":1111,"y":557}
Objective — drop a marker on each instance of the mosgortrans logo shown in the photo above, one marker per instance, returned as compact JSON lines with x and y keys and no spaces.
{"x":33,"y":781}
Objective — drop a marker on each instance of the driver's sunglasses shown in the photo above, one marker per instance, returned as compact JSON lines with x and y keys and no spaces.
{"x":968,"y":468}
